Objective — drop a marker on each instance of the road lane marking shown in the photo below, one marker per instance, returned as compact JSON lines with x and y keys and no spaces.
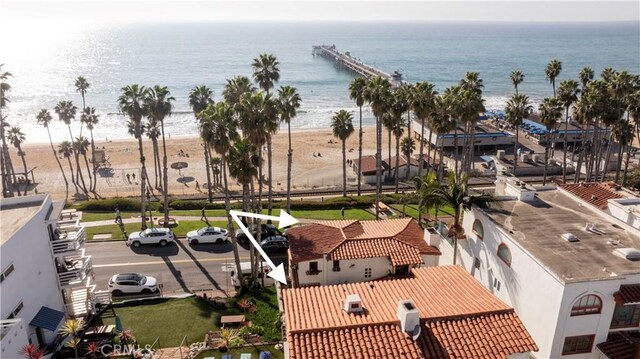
{"x":178,"y":261}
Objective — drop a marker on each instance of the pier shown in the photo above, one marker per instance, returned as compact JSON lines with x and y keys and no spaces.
{"x":347,"y":62}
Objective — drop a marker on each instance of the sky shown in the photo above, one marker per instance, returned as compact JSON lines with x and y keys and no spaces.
{"x":135,"y":11}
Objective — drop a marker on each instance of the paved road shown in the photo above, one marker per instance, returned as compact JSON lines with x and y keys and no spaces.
{"x":179,"y":266}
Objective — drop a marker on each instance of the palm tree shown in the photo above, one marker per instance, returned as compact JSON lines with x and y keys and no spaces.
{"x":130,"y":103}
{"x":441,"y":123}
{"x":235,"y":88}
{"x":586,"y":75}
{"x":16,"y":138}
{"x":356,"y":93}
{"x":82,"y":86}
{"x":152,"y":130}
{"x":398,"y":131}
{"x":82,"y":147}
{"x":377,"y":94}
{"x":199,"y":98}
{"x":470,"y":105}
{"x":550,"y":113}
{"x":452,"y":103}
{"x":517,"y":77}
{"x":157,"y":106}
{"x":388,"y":121}
{"x":620,"y":87}
{"x":454,"y":194}
{"x":221,"y":137}
{"x":44,"y":118}
{"x":518,"y":108}
{"x":424,"y":185}
{"x":423,"y":104}
{"x":552,"y":71}
{"x":287,"y":104}
{"x":568,"y":95}
{"x":65,"y":148}
{"x":6,"y":167}
{"x":66,"y":112}
{"x":91,"y":119}
{"x":342,"y":125}
{"x":407,"y":146}
{"x":623,"y":133}
{"x":266,"y":72}
{"x":633,"y":109}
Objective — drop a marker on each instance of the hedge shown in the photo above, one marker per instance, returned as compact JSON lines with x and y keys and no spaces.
{"x":108,"y":205}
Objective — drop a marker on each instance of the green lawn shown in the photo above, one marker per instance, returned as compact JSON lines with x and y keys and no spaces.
{"x":180,"y":230}
{"x":101,"y":216}
{"x":235,"y":352}
{"x":328,"y":214}
{"x":170,"y":321}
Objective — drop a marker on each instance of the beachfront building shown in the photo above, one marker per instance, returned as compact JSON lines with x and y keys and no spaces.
{"x":413,"y":165}
{"x":368,"y":169}
{"x":566,"y":259}
{"x":439,"y":312}
{"x":350,"y":251}
{"x":45,"y":274}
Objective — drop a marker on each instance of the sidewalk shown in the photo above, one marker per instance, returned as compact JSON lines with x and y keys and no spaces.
{"x":108,"y":222}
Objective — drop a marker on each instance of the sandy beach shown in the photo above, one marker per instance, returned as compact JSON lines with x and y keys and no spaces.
{"x":308,"y":170}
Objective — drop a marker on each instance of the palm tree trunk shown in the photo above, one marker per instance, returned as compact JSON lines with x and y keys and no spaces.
{"x":76,"y":155}
{"x":605,"y":166}
{"x":86,"y":163}
{"x":564,"y":149}
{"x":71,"y":170}
{"x":156,"y":161}
{"x":389,"y":153}
{"x":440,"y":164}
{"x":546,"y":160}
{"x":397,"y":175}
{"x":619,"y":166}
{"x":24,"y":165}
{"x":143,"y":172}
{"x":165,"y":177}
{"x":207,"y":160}
{"x":515,"y":152}
{"x":422,"y":148}
{"x":10,"y":172}
{"x":6,"y":186}
{"x":456,"y":223}
{"x":227,"y":206}
{"x":378,"y":164}
{"x":270,"y":169}
{"x":359,"y":153}
{"x":626,"y":164}
{"x":472,"y":149}
{"x":455,"y":154}
{"x":344,"y":168}
{"x":66,"y":182}
{"x":289,"y":163}
{"x":93,"y":161}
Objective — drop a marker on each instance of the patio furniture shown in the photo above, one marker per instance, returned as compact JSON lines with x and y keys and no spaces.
{"x":245,"y":356}
{"x":227,"y":356}
{"x":232,"y":319}
{"x":100,"y":331}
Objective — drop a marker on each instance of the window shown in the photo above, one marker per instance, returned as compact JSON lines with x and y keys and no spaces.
{"x":578,"y":345}
{"x":504,"y":253}
{"x":625,"y":316}
{"x":367,"y":272}
{"x":6,"y":272}
{"x":588,"y":304}
{"x":336,"y":266}
{"x":478,"y":229}
{"x":16,"y":311}
{"x":313,"y":268}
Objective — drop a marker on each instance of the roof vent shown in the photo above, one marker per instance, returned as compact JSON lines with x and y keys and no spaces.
{"x":353,"y":304}
{"x":409,"y":317}
{"x":631,"y":254}
{"x":569,"y":237}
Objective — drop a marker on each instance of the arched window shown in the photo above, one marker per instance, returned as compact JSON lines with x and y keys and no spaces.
{"x":504,"y":253}
{"x":588,"y":304}
{"x":478,"y":229}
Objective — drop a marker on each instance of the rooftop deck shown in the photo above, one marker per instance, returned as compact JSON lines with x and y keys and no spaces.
{"x":537,"y":226}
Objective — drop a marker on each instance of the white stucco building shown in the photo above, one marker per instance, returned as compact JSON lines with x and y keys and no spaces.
{"x":350,"y":251}
{"x":45,"y":274}
{"x":564,"y":262}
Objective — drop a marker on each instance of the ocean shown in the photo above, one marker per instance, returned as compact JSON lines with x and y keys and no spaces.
{"x":45,"y":62}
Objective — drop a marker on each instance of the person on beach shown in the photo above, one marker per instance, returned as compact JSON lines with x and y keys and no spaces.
{"x":118,"y":216}
{"x":342,"y":212}
{"x":128,"y":178}
{"x":197,"y":186}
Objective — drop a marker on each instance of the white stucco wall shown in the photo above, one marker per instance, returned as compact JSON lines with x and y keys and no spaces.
{"x":13,"y":341}
{"x":34,"y":280}
{"x":351,"y":271}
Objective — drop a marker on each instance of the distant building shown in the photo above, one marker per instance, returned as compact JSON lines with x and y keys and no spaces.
{"x":439,"y":312}
{"x":413,"y":164}
{"x":45,"y":275}
{"x":350,"y":251}
{"x":368,"y":170}
{"x":566,"y":259}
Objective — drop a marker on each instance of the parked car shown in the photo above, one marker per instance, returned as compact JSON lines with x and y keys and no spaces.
{"x":207,"y":235}
{"x":267,"y":231}
{"x":160,"y":236}
{"x":275,"y":244}
{"x":246,"y":273}
{"x":132,"y":283}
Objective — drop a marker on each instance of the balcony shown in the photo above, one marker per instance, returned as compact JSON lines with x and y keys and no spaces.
{"x":70,"y":239}
{"x":74,"y":271}
{"x":8,"y":326}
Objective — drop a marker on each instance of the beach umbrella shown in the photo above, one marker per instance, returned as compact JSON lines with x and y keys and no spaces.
{"x":178,"y":166}
{"x":118,"y":324}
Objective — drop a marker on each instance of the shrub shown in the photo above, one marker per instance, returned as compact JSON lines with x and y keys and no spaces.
{"x":109,"y":205}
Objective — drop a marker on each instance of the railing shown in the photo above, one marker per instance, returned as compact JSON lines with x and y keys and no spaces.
{"x":81,"y":269}
{"x":7,"y":325}
{"x":102,"y":297}
{"x":69,"y":241}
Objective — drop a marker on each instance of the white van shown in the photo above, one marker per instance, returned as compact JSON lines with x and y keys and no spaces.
{"x":246,"y":273}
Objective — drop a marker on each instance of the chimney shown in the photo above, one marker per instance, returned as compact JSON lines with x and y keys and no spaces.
{"x":353,"y":304}
{"x":432,"y":237}
{"x":409,"y":316}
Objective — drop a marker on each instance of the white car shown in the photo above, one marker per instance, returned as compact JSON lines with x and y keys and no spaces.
{"x":160,"y":236}
{"x":207,"y":235}
{"x":128,"y":283}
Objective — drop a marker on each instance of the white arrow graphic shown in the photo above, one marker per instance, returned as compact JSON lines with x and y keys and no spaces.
{"x":284,"y":220}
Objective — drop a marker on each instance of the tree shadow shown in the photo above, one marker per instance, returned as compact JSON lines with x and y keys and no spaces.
{"x":224,"y":247}
{"x":201,"y":267}
{"x":156,"y":250}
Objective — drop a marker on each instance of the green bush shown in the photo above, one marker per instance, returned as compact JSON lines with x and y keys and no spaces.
{"x":109,"y":205}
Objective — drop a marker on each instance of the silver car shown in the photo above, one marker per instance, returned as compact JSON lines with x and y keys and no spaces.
{"x":161,"y":236}
{"x":207,"y":235}
{"x":132,"y":283}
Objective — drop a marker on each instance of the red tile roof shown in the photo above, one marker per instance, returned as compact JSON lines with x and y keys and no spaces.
{"x":621,"y":345}
{"x":596,"y":193}
{"x":628,"y":294}
{"x":369,"y":165}
{"x":400,"y":239}
{"x":460,"y":319}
